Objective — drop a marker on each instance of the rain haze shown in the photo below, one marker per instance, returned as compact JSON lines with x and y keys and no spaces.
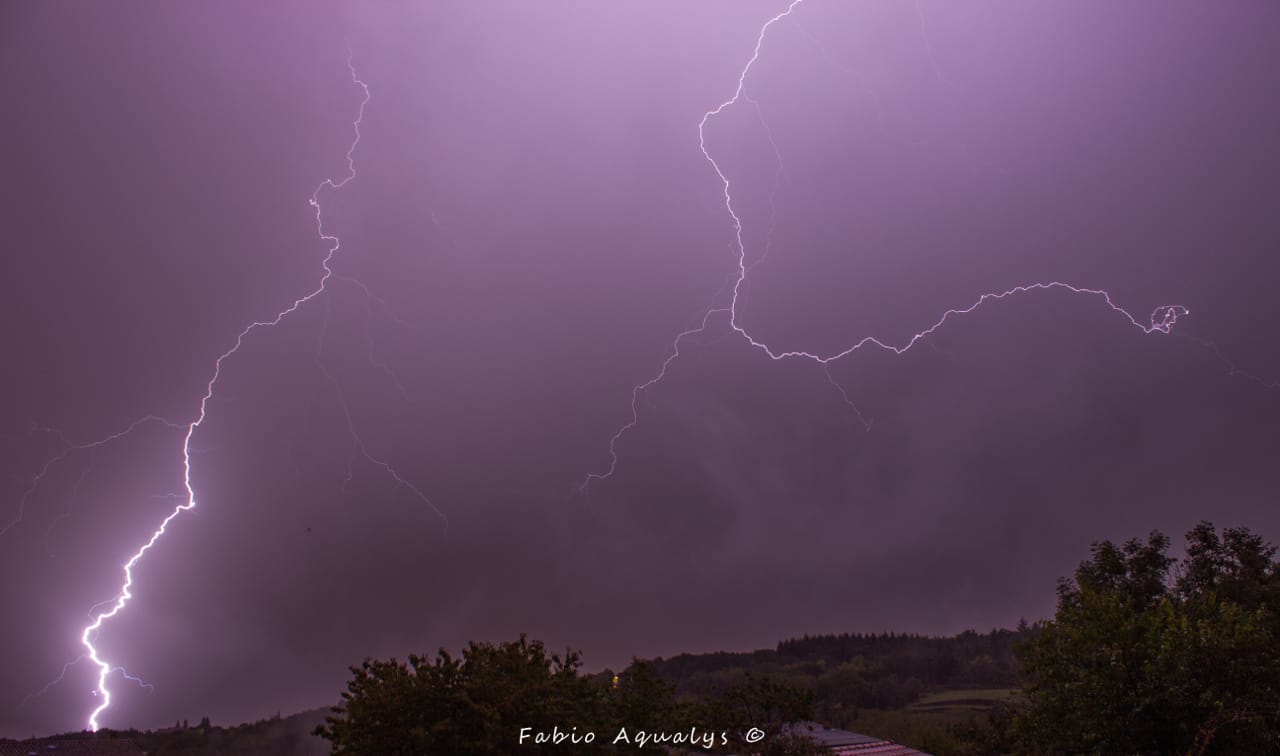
{"x":445,"y":440}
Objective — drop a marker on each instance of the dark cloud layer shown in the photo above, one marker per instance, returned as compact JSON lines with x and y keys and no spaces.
{"x":533,"y":209}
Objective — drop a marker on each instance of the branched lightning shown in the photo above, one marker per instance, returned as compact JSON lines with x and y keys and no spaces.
{"x":1161,"y":320}
{"x":90,"y":631}
{"x":1232,"y":370}
{"x":61,"y":675}
{"x":369,"y":300}
{"x":49,"y":685}
{"x":358,"y":444}
{"x":187,"y":500}
{"x":133,"y":679}
{"x":71,"y":498}
{"x":72,"y":448}
{"x":640,"y":389}
{"x":737,"y":283}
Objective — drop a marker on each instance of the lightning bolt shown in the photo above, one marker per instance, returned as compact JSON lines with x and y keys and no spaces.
{"x":99,"y":615}
{"x":62,"y":675}
{"x":1161,"y":320}
{"x":49,"y":685}
{"x":369,"y":300}
{"x":133,"y":679}
{"x":358,"y":445}
{"x":1232,"y":370}
{"x":71,"y":498}
{"x":71,"y":449}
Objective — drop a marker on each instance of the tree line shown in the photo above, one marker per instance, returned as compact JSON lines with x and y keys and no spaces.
{"x":1146,"y":653}
{"x":516,"y":697}
{"x":854,"y":670}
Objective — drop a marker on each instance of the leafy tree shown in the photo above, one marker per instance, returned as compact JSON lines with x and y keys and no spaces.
{"x":642,"y":700}
{"x":1138,"y":661}
{"x":477,"y":704}
{"x":771,"y":706}
{"x":1238,"y":567}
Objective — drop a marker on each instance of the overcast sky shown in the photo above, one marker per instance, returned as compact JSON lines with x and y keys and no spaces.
{"x":531,"y":223}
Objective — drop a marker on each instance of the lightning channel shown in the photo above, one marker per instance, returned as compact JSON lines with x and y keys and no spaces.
{"x":72,"y":448}
{"x":1232,"y":370}
{"x":358,"y":445}
{"x":1161,"y":320}
{"x":71,"y":499}
{"x":28,"y":698}
{"x":134,"y":679}
{"x":105,"y":611}
{"x":50,"y":685}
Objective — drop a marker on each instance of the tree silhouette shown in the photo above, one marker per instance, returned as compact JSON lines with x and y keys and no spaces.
{"x":477,"y":704}
{"x":1143,"y":658}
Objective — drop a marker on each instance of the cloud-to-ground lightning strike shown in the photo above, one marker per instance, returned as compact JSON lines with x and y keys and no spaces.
{"x":726,"y":307}
{"x":188,"y":499}
{"x":90,"y":631}
{"x":49,"y":685}
{"x":1162,"y":319}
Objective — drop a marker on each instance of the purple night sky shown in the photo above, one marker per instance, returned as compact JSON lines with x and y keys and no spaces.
{"x":531,"y":224}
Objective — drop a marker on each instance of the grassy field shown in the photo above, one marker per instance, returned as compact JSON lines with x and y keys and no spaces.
{"x":924,"y":724}
{"x":966,"y":700}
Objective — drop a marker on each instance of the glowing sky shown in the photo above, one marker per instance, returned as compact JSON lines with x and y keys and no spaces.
{"x":532,"y":223}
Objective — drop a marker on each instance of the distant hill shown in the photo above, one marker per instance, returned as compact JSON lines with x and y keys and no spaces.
{"x":287,"y":735}
{"x":853,"y":671}
{"x":276,"y":736}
